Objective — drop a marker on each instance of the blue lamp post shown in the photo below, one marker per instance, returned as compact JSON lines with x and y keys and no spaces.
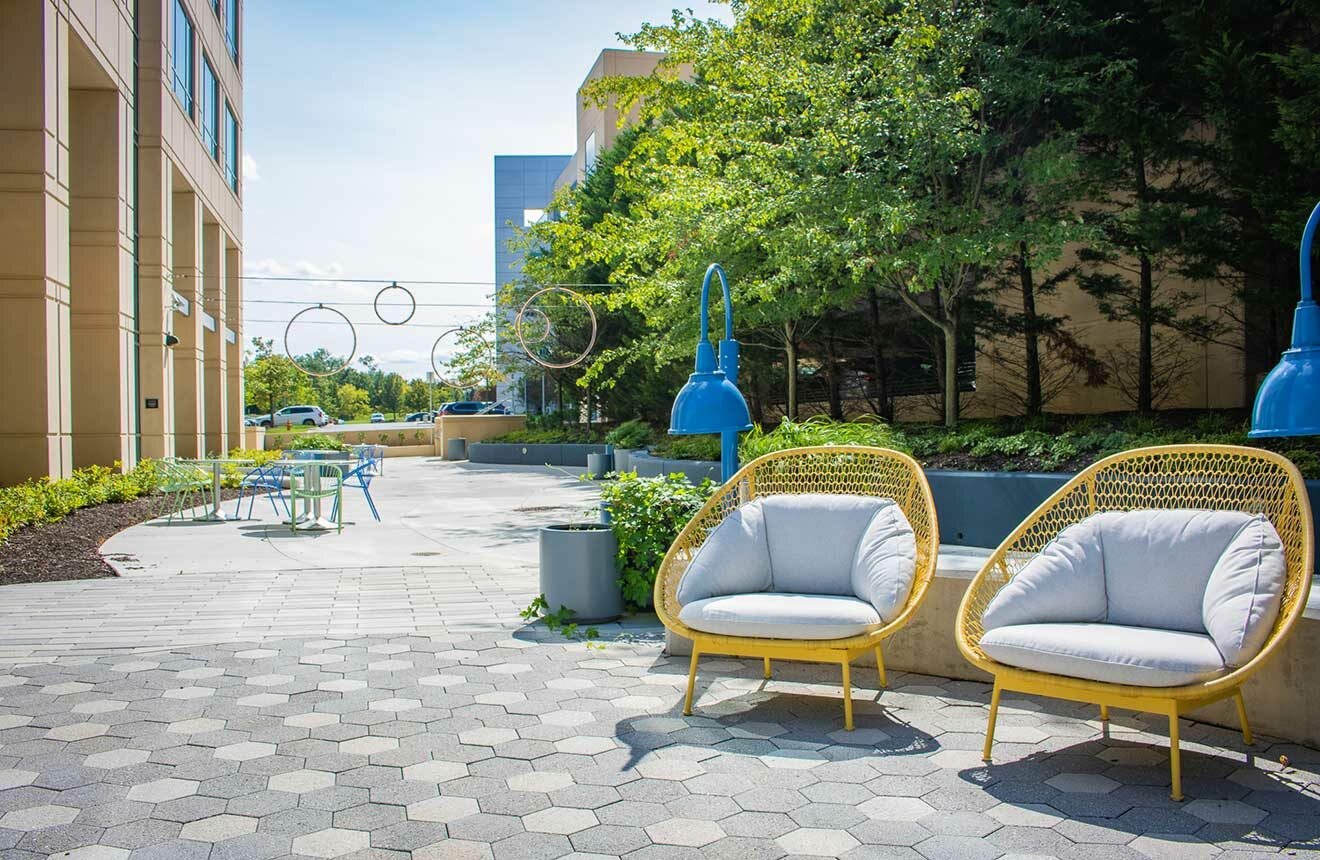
{"x":710,"y":402}
{"x":1288,"y":402}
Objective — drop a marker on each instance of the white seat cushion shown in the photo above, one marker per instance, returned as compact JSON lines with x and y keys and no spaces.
{"x":1064,"y":582}
{"x":813,"y":539}
{"x":770,"y":615}
{"x":1113,"y":653}
{"x":734,"y":558}
{"x":1245,"y":591}
{"x":885,"y":564}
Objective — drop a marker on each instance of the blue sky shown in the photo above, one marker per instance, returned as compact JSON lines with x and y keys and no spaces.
{"x":370,"y":131}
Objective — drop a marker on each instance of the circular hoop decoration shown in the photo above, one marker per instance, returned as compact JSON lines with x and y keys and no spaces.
{"x":461,"y":330}
{"x":412,"y":300}
{"x":352,"y":352}
{"x":522,"y":312}
{"x":544,"y":335}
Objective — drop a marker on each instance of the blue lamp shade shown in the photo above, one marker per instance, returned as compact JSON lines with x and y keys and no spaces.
{"x":709,"y":403}
{"x":1288,"y":402}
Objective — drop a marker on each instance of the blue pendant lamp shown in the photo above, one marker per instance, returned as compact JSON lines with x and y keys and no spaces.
{"x":1288,"y":402}
{"x":710,"y":402}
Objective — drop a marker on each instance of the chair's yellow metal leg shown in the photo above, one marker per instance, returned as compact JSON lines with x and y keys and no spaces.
{"x":1175,"y":759}
{"x":767,"y":668}
{"x":880,"y":667}
{"x":1242,"y":718}
{"x":990,"y":726}
{"x":692,"y":680}
{"x":1104,"y":713}
{"x":847,"y":695}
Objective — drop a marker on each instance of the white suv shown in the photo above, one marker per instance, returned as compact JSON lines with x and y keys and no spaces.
{"x":295,"y":415}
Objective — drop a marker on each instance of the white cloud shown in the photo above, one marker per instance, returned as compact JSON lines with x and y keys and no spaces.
{"x":272,"y":268}
{"x":250,"y":171}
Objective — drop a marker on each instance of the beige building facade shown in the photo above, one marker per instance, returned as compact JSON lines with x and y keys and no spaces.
{"x":120,"y":232}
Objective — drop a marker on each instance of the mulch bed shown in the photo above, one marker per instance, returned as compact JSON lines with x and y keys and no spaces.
{"x":69,"y":549}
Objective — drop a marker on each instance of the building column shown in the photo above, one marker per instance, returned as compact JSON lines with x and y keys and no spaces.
{"x":234,"y":358}
{"x":34,"y":243}
{"x":155,"y":303}
{"x":189,"y":376}
{"x":215,"y":353}
{"x":101,"y":278}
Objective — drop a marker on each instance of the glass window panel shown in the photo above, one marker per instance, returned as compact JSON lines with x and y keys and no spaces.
{"x":231,"y":148}
{"x":210,"y":109}
{"x":183,"y":57}
{"x":231,"y":28}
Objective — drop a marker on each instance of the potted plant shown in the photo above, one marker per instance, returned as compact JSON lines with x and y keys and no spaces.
{"x":630,"y":437}
{"x":578,"y":571}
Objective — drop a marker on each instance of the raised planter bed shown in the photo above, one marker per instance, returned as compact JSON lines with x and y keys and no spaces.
{"x":697,"y":471}
{"x":517,"y":454}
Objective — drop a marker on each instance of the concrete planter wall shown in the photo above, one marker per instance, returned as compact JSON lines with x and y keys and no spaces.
{"x":697,"y":471}
{"x":514,"y":454}
{"x":577,"y":571}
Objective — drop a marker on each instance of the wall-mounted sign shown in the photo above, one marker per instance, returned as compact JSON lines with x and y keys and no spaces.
{"x":153,"y":403}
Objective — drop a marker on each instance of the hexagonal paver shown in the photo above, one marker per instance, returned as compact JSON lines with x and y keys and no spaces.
{"x":95,"y":852}
{"x":568,"y":684}
{"x":195,"y":727}
{"x":135,"y":666}
{"x":509,"y":669}
{"x":100,"y":706}
{"x":162,"y":790}
{"x":269,"y":680}
{"x":77,"y":731}
{"x":561,"y":820}
{"x":1224,"y":811}
{"x":442,"y":809}
{"x":817,"y":842}
{"x":256,"y":654}
{"x":332,"y":842}
{"x":500,"y":698}
{"x":111,"y":759}
{"x":368,"y":745}
{"x":342,"y":685}
{"x":568,"y":718}
{"x":218,"y":828}
{"x":38,"y":817}
{"x":389,"y":665}
{"x":793,"y":759}
{"x":544,"y":781}
{"x":186,"y":693}
{"x":311,"y":721}
{"x":262,"y":700}
{"x":12,"y":778}
{"x":66,"y":688}
{"x":435,"y":771}
{"x":301,"y":781}
{"x":895,"y":808}
{"x":395,"y":705}
{"x":691,"y":832}
{"x":1169,"y":846}
{"x":1082,"y":783}
{"x":669,"y":768}
{"x":487,"y":737}
{"x":442,"y":680}
{"x":1025,"y":814}
{"x":244,"y":751}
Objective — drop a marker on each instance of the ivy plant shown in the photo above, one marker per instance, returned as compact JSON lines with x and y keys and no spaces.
{"x":646,"y":514}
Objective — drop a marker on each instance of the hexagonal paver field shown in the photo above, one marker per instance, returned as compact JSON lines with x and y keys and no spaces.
{"x":523,"y":745}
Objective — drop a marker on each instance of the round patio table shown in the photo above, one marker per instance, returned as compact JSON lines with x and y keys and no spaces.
{"x":217,"y":465}
{"x":312,"y":521}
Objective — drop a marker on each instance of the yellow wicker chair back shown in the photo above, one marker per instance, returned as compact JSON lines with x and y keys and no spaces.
{"x":1209,"y":477}
{"x":831,"y":469}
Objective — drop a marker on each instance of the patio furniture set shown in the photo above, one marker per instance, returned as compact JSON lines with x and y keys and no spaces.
{"x":1157,"y":580}
{"x":312,"y":477}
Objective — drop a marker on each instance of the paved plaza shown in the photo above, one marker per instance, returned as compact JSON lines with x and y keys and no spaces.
{"x":383,"y":711}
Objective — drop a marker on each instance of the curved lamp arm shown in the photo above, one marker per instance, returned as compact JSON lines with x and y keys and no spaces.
{"x":716,"y":269}
{"x":1304,"y":261}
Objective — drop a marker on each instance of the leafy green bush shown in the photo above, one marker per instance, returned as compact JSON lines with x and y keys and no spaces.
{"x":569,"y":434}
{"x":631,"y":434}
{"x":646,"y":514}
{"x":43,"y":501}
{"x":688,"y":448}
{"x":317,"y":442}
{"x":232,"y":473}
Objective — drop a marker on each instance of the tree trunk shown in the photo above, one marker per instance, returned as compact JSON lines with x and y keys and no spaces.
{"x":1145,"y":297}
{"x":878,"y":358}
{"x":1031,"y":331}
{"x":833,"y":384}
{"x":949,"y":328}
{"x":791,"y":361}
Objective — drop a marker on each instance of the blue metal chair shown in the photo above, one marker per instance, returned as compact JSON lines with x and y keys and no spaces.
{"x":268,"y":479}
{"x":360,"y":477}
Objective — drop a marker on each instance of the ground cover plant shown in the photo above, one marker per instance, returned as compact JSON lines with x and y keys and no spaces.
{"x":42,"y":500}
{"x":646,"y":514}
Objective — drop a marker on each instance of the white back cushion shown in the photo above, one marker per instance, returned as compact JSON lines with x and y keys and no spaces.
{"x":1064,"y":583}
{"x":885,"y":563}
{"x":813,"y":539}
{"x":1157,"y":563}
{"x":1245,"y":590}
{"x":734,"y":559}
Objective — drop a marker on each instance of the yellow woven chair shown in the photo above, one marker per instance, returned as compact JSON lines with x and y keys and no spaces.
{"x":836,"y":470}
{"x":1185,"y":477}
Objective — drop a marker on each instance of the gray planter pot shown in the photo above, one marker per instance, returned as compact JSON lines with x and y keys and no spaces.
{"x":598,"y":465}
{"x":623,"y":458}
{"x":456,"y":448}
{"x":577,"y":571}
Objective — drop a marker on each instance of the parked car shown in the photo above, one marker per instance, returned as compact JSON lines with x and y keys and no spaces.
{"x":420,"y":416}
{"x":309,"y":415}
{"x":473,"y":407}
{"x":377,"y":418}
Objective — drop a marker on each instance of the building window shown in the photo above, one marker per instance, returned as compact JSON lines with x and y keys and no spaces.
{"x":231,"y":149}
{"x":589,"y":153}
{"x":183,"y":57}
{"x":210,"y":109}
{"x":531,"y":216}
{"x":231,"y":28}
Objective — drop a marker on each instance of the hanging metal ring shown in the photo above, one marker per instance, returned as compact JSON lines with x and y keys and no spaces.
{"x":440,"y":376}
{"x":394,"y":285}
{"x":351,"y":331}
{"x":518,"y":327}
{"x":544,"y":335}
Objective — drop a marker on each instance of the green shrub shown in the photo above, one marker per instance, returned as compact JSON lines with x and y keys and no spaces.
{"x":688,"y":448}
{"x":569,"y":434}
{"x":646,"y":514}
{"x":318,"y":442}
{"x":232,"y":473}
{"x":631,"y":434}
{"x":41,"y":501}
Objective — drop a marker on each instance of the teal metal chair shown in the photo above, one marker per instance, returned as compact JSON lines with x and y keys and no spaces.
{"x":316,"y":483}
